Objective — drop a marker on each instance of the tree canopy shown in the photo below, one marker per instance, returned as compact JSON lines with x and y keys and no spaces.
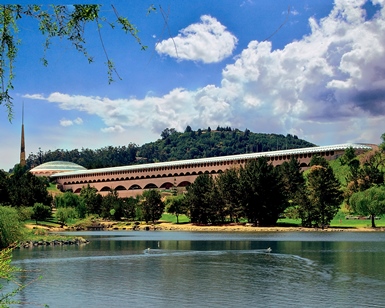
{"x":321,"y":199}
{"x":369,"y":202}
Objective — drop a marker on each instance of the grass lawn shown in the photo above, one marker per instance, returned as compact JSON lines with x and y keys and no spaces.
{"x":339,"y":221}
{"x":172,"y":218}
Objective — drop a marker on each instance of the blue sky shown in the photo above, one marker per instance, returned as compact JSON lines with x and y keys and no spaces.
{"x":321,"y":76}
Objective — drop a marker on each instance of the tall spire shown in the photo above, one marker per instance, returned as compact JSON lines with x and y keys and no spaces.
{"x":22,"y":148}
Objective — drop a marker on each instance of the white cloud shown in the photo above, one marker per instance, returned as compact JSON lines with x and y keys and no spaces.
{"x":113,"y":129}
{"x":64,"y":122}
{"x":207,"y":41}
{"x":78,"y":121}
{"x":34,"y":96}
{"x":328,"y":87}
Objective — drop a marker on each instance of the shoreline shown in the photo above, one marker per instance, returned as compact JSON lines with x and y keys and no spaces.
{"x":189,"y":227}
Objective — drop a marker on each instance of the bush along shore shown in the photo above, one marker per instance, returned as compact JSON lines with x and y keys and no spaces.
{"x":35,"y":243}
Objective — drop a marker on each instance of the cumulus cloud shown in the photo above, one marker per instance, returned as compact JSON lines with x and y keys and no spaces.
{"x":113,"y":129}
{"x":66,"y":122}
{"x":326,"y":87}
{"x":207,"y":41}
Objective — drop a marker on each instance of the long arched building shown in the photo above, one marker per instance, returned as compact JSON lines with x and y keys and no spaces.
{"x":133,"y":180}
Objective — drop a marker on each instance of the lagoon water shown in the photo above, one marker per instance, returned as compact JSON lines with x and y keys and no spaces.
{"x":193,"y":269}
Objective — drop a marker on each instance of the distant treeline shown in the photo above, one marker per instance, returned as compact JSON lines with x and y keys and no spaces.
{"x":173,"y":146}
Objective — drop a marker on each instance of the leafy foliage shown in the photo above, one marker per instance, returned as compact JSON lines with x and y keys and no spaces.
{"x":63,"y":214}
{"x":369,"y":202}
{"x":263,"y":196}
{"x":91,"y":199}
{"x":200,"y":200}
{"x":230,"y":194}
{"x":22,"y":188}
{"x":41,"y":212}
{"x":152,"y":205}
{"x":10,"y":227}
{"x":176,"y":205}
{"x":322,"y":197}
{"x":100,"y":158}
{"x":7,"y":273}
{"x":364,"y":172}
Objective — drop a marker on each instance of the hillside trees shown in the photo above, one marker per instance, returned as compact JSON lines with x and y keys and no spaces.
{"x":174,"y":145}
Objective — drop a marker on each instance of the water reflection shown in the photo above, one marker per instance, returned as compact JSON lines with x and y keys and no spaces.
{"x":205,"y":269}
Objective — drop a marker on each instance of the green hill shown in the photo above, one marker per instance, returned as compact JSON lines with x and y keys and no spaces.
{"x":175,"y":145}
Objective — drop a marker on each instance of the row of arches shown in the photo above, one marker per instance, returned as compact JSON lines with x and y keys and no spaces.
{"x":142,"y":177}
{"x":165,"y":185}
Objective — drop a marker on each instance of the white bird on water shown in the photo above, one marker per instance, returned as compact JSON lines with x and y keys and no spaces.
{"x":268,"y":250}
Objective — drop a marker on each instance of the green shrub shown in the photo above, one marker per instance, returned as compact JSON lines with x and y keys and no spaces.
{"x":10,"y":226}
{"x":63,"y":214}
{"x":25,"y":212}
{"x":41,"y":212}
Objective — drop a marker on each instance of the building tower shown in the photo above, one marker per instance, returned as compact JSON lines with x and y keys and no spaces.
{"x":22,"y":148}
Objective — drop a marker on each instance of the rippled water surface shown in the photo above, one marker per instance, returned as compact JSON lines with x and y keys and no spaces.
{"x":183,"y":269}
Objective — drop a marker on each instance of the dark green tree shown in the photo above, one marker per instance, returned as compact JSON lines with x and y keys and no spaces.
{"x":4,"y":194}
{"x":317,"y":160}
{"x":369,"y":202}
{"x":199,"y":199}
{"x":176,"y":205}
{"x":348,"y":156}
{"x":26,"y":189}
{"x":110,"y":206}
{"x":91,"y":199}
{"x":41,"y":212}
{"x":325,"y":196}
{"x":68,"y":199}
{"x":230,"y":193}
{"x":263,"y":195}
{"x":129,"y":207}
{"x":152,"y":205}
{"x":71,"y":200}
{"x":292,"y":178}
